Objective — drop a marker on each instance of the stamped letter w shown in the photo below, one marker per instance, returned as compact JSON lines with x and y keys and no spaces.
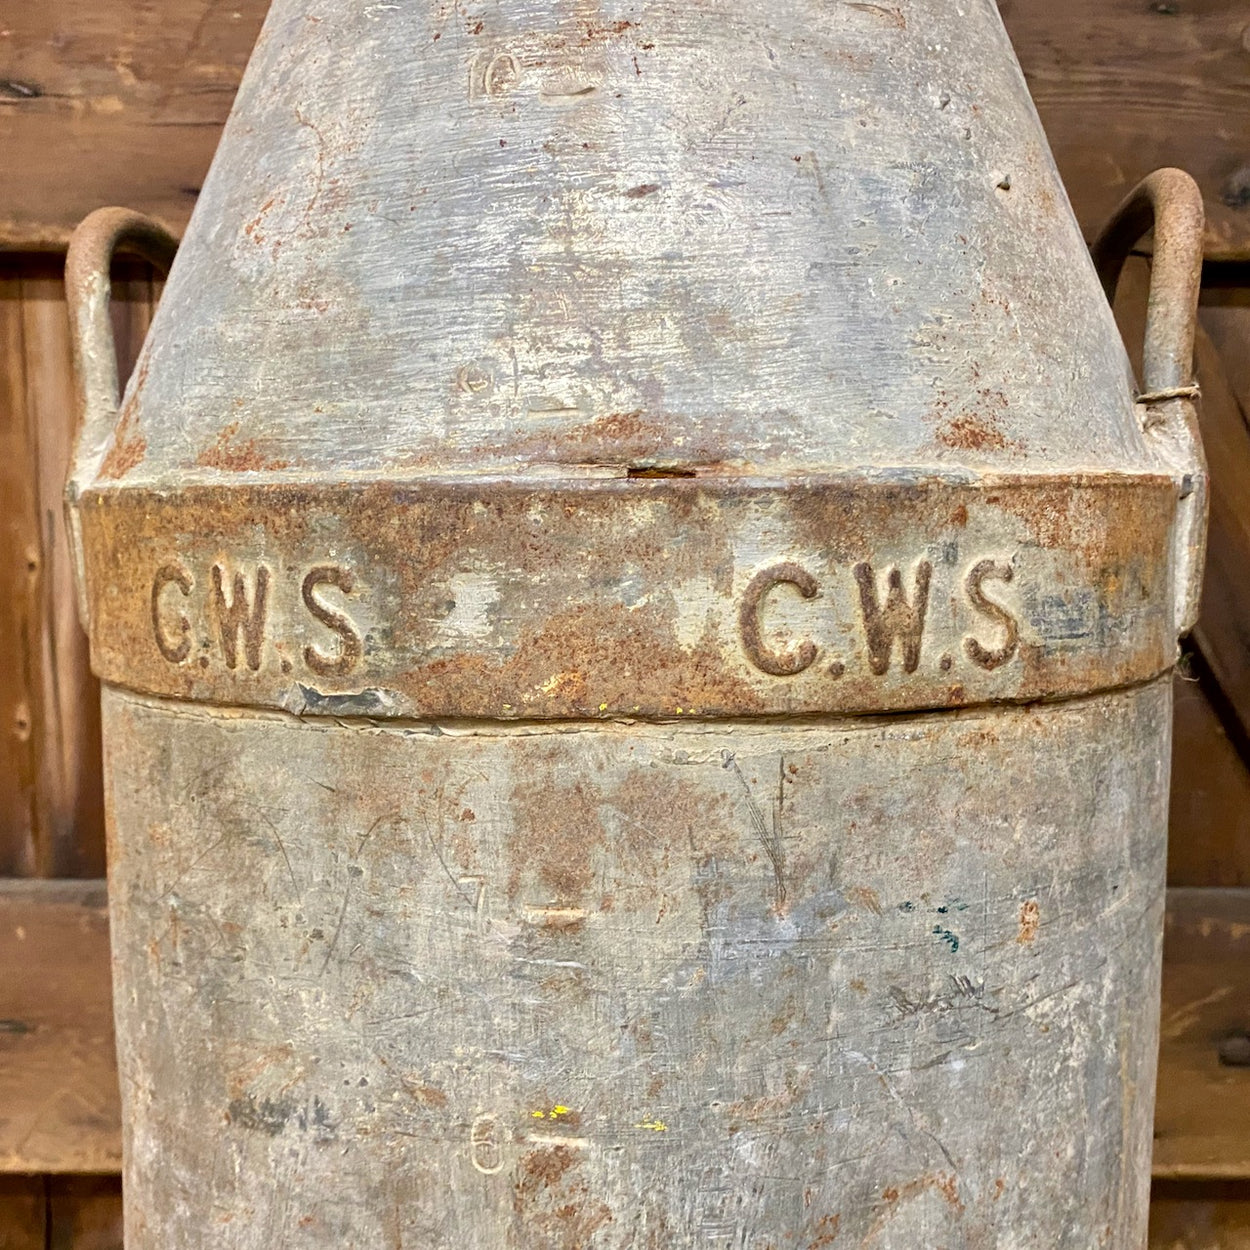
{"x":238,"y":615}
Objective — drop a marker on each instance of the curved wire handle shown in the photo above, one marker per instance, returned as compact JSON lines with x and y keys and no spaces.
{"x":87,"y":291}
{"x":1169,"y":200}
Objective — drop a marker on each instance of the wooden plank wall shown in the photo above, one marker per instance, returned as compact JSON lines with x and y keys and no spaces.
{"x":121,"y":101}
{"x":51,"y":808}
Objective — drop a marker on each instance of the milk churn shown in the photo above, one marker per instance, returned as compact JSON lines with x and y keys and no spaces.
{"x":635,"y":592}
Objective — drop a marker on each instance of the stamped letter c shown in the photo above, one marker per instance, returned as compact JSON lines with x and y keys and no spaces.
{"x":776,"y":663}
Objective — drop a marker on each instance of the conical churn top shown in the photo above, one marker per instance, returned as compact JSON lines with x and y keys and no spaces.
{"x":565,"y":430}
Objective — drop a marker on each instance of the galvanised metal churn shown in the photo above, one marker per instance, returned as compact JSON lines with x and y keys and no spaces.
{"x":635,"y":595}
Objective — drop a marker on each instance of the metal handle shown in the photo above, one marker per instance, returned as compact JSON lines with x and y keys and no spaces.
{"x":1169,"y":200}
{"x":87,"y":290}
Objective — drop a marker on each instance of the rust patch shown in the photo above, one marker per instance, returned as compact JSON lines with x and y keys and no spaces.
{"x":942,"y":1182}
{"x":544,"y":1168}
{"x":1030,"y":919}
{"x":862,"y":896}
{"x":129,"y":446}
{"x":826,"y":1232}
{"x":552,"y":1201}
{"x":970,"y":432}
{"x":232,"y":455}
{"x":252,"y":229}
{"x":427,"y":1095}
{"x":558,"y":834}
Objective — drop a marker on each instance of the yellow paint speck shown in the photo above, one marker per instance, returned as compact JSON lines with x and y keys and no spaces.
{"x":539,"y":1115}
{"x":603,"y":707}
{"x":656,"y":1126}
{"x":559,"y":1111}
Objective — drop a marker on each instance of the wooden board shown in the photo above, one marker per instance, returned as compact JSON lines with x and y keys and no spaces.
{"x":1202,"y":1118}
{"x":114,"y":101}
{"x":84,"y":1213}
{"x":122,"y":101}
{"x":1222,"y":634}
{"x":59,"y":1101}
{"x":1127,"y":86}
{"x":23,"y":1213}
{"x":1200,"y":1216}
{"x":51,"y":803}
{"x":1209,"y":818}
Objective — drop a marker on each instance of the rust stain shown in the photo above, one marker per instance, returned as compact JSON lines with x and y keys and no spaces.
{"x":864,"y":896}
{"x":544,"y":1168}
{"x":888,"y":14}
{"x":826,"y":1232}
{"x":552,"y":1202}
{"x":971,"y":432}
{"x":427,"y":1095}
{"x":1030,"y":919}
{"x":129,"y":445}
{"x":232,"y":455}
{"x":252,"y":229}
{"x":558,"y":834}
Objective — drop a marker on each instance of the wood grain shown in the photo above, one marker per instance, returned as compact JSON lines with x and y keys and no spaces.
{"x":121,"y":101}
{"x":1209,"y":818}
{"x":1200,"y":1216}
{"x":23,"y":1213}
{"x":1222,"y":634}
{"x":51,"y":806}
{"x":59,"y":1102}
{"x":1202,"y":1117}
{"x":1127,"y":86}
{"x":84,"y":1213}
{"x":19,"y":565}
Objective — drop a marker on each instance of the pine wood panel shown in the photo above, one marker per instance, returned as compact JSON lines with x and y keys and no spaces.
{"x":59,"y":1101}
{"x":1202,"y":1117}
{"x":51,"y":804}
{"x":84,"y":1213}
{"x":122,"y":101}
{"x":23,"y":1213}
{"x":1202,"y":1216}
{"x":1222,"y":634}
{"x":1209,"y":819}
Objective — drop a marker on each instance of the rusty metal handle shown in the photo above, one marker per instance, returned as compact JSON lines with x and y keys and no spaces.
{"x":1169,"y":200}
{"x":88,"y":290}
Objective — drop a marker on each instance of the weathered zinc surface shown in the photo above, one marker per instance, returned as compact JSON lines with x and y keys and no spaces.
{"x":568,"y":430}
{"x":888,"y":983}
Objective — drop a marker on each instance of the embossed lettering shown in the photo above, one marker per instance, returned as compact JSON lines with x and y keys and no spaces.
{"x":238,"y":615}
{"x":767,"y":660}
{"x":991,"y":657}
{"x":484,"y":1146}
{"x":898,"y":619}
{"x":171,"y":575}
{"x":493,"y":74}
{"x":349,"y":640}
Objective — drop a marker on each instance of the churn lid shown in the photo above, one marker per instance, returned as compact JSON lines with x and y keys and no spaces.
{"x":622,"y":358}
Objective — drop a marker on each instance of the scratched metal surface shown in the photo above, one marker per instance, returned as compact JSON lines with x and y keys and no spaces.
{"x":606,"y":400}
{"x":883,"y":984}
{"x":730,"y":236}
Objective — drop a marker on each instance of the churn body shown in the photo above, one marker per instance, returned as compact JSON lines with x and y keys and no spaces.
{"x":635,"y":608}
